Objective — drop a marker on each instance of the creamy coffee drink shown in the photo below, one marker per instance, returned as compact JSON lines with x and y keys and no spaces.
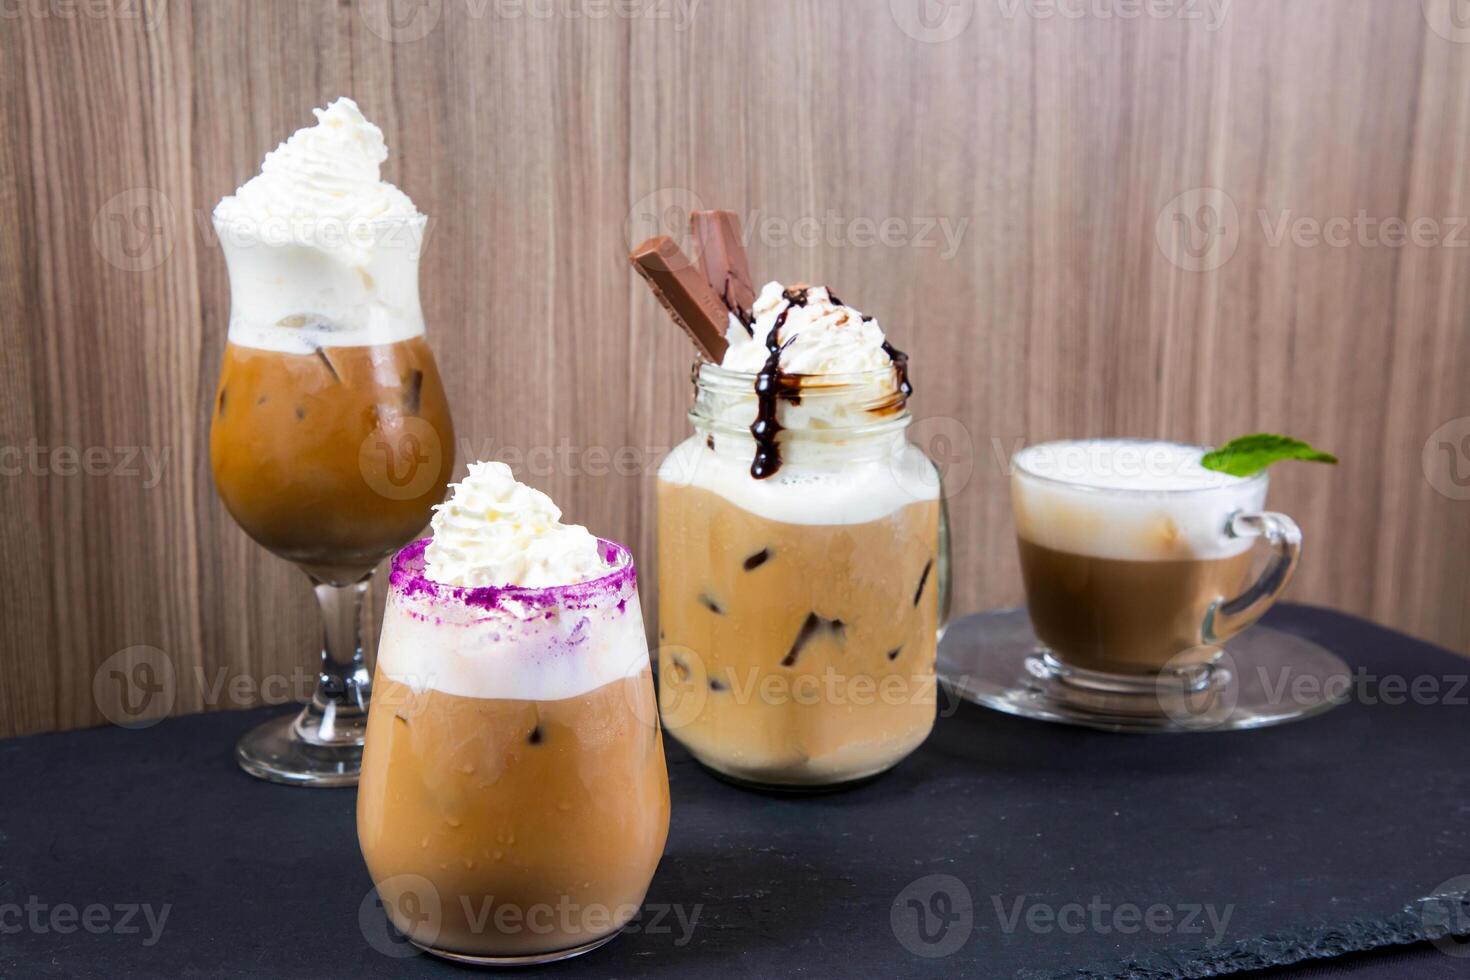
{"x":514,"y":802}
{"x":331,"y":459}
{"x":850,"y":646}
{"x":799,"y":554}
{"x":331,"y":438}
{"x":1127,"y":550}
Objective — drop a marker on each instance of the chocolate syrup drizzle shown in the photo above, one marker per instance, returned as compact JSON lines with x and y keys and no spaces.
{"x":900,"y":366}
{"x":772,"y":384}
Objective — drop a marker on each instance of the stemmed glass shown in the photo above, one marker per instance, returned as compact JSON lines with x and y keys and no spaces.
{"x":330,"y":442}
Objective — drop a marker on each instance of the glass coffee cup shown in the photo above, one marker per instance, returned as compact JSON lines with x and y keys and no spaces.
{"x":1138,"y":566}
{"x":1136,"y":559}
{"x":330,"y":443}
{"x":514,"y":801}
{"x":1145,"y":575}
{"x":798,"y":613}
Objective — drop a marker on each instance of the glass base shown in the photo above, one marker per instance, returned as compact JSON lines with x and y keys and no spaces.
{"x":533,"y":959}
{"x":793,"y":789}
{"x":306,"y":749}
{"x":1264,"y":677}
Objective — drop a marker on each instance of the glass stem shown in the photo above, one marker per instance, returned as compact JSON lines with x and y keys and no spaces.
{"x":337,"y":713}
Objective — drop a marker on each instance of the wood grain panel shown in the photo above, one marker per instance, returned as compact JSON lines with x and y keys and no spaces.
{"x":27,"y":627}
{"x":1046,"y":147}
{"x":1422,"y":533}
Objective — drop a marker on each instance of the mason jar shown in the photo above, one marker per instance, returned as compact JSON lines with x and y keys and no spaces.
{"x":799,"y":611}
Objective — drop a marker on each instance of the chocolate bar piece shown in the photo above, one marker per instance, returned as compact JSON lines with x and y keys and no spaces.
{"x":722,"y":259}
{"x":682,"y":290}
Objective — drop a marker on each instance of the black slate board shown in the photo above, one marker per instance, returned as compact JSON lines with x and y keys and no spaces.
{"x":1320,"y":837}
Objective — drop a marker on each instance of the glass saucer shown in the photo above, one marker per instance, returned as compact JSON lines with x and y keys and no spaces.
{"x":1263,"y":677}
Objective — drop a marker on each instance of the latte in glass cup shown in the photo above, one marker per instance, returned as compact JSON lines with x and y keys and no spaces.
{"x":1135,"y":557}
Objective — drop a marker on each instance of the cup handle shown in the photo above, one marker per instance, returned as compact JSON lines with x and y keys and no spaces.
{"x":1230,"y":616}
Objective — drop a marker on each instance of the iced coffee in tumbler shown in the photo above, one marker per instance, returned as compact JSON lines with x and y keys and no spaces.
{"x":514,"y":801}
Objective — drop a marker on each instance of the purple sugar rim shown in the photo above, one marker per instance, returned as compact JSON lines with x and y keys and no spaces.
{"x":409,"y":578}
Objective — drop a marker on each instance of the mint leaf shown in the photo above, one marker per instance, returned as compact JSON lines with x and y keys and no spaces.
{"x":1249,"y":455}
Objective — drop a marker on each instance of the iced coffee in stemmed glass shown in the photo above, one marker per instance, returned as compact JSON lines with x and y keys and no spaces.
{"x":514,"y":801}
{"x":801,"y":571}
{"x":330,"y":434}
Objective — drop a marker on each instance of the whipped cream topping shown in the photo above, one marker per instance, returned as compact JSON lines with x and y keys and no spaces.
{"x":494,"y":530}
{"x":836,"y":462}
{"x":321,"y":251}
{"x":326,"y":172}
{"x":824,"y":336}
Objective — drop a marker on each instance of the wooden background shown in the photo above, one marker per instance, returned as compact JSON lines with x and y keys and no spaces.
{"x":540,"y":144}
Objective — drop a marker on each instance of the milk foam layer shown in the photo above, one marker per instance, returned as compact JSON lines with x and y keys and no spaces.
{"x":1130,"y":500}
{"x":519,"y":644}
{"x":494,"y":530}
{"x":321,"y":251}
{"x":831,"y":491}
